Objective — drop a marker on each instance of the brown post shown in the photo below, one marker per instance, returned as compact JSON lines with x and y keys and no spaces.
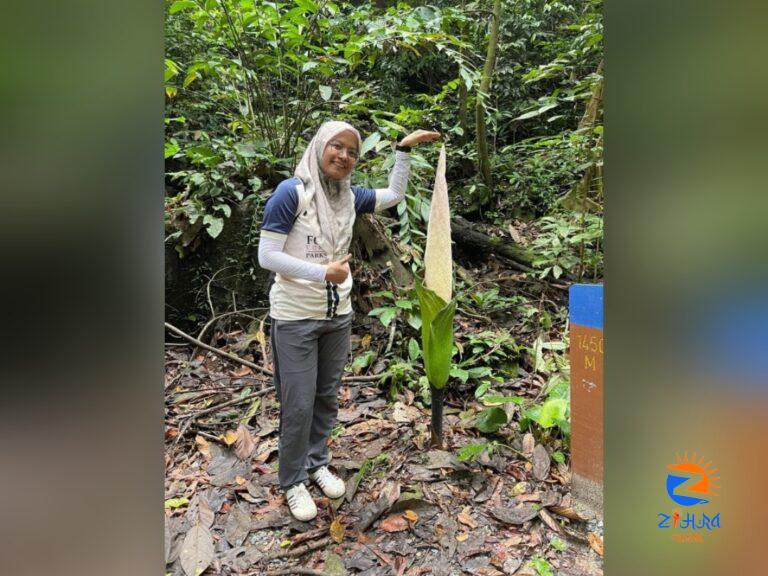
{"x":586,"y":322}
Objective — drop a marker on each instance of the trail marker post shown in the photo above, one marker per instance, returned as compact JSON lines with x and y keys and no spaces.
{"x":585,"y":309}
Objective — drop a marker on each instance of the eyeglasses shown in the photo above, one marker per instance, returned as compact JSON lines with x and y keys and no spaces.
{"x":339,"y":148}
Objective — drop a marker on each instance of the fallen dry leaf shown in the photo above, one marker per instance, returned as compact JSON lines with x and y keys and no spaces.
{"x":229,"y":437}
{"x":196,"y":551}
{"x":244,"y":444}
{"x":400,"y":565}
{"x":337,"y":531}
{"x":516,"y":516}
{"x":595,"y":542}
{"x":244,"y":371}
{"x":372,"y":425}
{"x":394,"y":523}
{"x":263,"y":456}
{"x":528,"y":444}
{"x":411,"y":516}
{"x":404,"y":413}
{"x":461,"y":536}
{"x":465,"y":518}
{"x":203,"y":446}
{"x":549,"y":521}
{"x":200,"y":512}
{"x":541,"y":462}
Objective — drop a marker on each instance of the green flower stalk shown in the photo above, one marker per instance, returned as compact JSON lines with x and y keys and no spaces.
{"x":435,"y":298}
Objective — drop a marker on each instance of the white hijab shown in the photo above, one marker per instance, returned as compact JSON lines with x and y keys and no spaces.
{"x":333,"y":199}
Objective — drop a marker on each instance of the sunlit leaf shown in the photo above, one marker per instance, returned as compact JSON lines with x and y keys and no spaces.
{"x":369,"y":142}
{"x":180,"y":5}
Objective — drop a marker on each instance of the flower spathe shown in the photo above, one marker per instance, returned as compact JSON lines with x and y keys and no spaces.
{"x":438,"y":260}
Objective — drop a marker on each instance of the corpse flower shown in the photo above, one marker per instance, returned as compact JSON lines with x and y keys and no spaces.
{"x":437,"y":307}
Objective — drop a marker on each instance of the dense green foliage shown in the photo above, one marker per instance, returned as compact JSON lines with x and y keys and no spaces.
{"x":247,"y":82}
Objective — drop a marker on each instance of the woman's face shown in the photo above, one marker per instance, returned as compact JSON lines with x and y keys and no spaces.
{"x":340,"y":155}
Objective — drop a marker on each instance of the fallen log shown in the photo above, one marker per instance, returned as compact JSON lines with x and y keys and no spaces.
{"x":469,"y":238}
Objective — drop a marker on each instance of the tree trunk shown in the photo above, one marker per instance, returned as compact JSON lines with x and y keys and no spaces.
{"x":578,"y":197}
{"x":483,"y":159}
{"x":372,"y":245}
{"x":475,"y":243}
{"x":593,"y":106}
{"x":463,"y":123}
{"x":239,"y":281}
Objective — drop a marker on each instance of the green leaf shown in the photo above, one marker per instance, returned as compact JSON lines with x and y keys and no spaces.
{"x":459,"y":373}
{"x":171,"y":148}
{"x":246,"y":149}
{"x":413,"y":350}
{"x":527,"y":115}
{"x":482,"y":389}
{"x":176,"y":502}
{"x":363,"y":361}
{"x":325,"y":92}
{"x":369,"y":142}
{"x":181,"y":5}
{"x":308,"y":66}
{"x":479,"y":372}
{"x":307,"y":5}
{"x":552,"y":411}
{"x":414,"y":321}
{"x":467,"y":76}
{"x":251,"y":411}
{"x":492,"y":400}
{"x":471,"y":451}
{"x":385,"y":314}
{"x":558,"y":457}
{"x":171,"y":69}
{"x":491,"y":419}
{"x":214,"y":225}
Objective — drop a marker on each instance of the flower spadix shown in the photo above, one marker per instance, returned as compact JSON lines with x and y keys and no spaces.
{"x":438,"y":260}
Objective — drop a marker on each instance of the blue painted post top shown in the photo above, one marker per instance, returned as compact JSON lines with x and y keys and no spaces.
{"x":585,"y":305}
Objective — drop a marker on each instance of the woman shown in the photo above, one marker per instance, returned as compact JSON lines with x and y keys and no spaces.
{"x":305,"y":238}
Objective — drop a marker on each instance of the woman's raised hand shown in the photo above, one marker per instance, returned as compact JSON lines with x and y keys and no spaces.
{"x":418,"y":137}
{"x":338,"y":271}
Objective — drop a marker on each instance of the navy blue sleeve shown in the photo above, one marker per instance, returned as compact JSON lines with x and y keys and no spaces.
{"x":365,"y":199}
{"x":280,"y":210}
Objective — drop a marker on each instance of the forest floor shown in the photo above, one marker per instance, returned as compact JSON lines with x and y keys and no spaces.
{"x":409,"y":509}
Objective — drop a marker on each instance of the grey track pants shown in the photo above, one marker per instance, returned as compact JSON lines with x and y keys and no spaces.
{"x":309,"y":358}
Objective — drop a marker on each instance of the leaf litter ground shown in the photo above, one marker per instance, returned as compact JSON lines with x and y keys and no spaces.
{"x":409,"y":509}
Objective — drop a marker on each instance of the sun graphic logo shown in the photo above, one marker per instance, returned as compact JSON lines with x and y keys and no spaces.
{"x":691,"y":481}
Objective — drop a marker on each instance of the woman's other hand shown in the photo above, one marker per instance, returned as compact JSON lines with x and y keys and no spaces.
{"x":418,"y":137}
{"x":338,"y":271}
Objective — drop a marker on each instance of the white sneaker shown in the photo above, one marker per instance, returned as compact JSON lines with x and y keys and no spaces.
{"x":300,"y":503}
{"x":331,"y":485}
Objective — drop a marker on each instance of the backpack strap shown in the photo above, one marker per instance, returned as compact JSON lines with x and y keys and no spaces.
{"x":303,"y":198}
